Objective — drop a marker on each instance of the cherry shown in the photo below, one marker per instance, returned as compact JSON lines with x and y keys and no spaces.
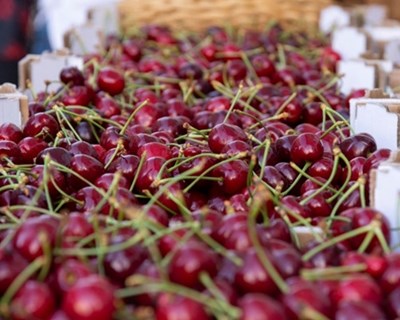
{"x":110,"y":81}
{"x":283,"y":145}
{"x":252,"y":277}
{"x":234,"y":176}
{"x":34,"y":300}
{"x":189,"y":261}
{"x":302,"y":295}
{"x":274,"y":178}
{"x":287,"y":172}
{"x":41,"y":125}
{"x":224,"y":133}
{"x":89,"y":298}
{"x":132,"y":49}
{"x":259,"y":306}
{"x":306,"y":148}
{"x":33,"y":235}
{"x":105,"y":180}
{"x":86,"y":167}
{"x":359,"y":310}
{"x":154,"y":149}
{"x":234,"y":147}
{"x":56,"y":154}
{"x":75,"y":227}
{"x":11,"y":265}
{"x":236,"y":70}
{"x":72,"y":76}
{"x":68,"y":273}
{"x":375,"y":159}
{"x":357,"y":166}
{"x":149,"y":172}
{"x":10,"y":132}
{"x":294,"y":112}
{"x":317,"y":205}
{"x":77,"y":96}
{"x":291,"y":206}
{"x":36,"y":179}
{"x":126,"y":164}
{"x":107,"y":107}
{"x":190,"y":71}
{"x":358,"y":287}
{"x":9,"y":150}
{"x":312,"y":113}
{"x":83,"y":147}
{"x":359,"y":145}
{"x":30,"y":147}
{"x":323,"y":168}
{"x":170,"y":307}
{"x":111,"y":137}
{"x":263,"y":66}
{"x":86,"y":132}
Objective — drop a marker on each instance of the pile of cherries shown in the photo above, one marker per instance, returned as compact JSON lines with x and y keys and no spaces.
{"x":194,"y":176}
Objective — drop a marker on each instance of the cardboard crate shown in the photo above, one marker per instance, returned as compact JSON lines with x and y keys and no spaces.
{"x":41,"y":72}
{"x":13,"y":105}
{"x":378,"y":115}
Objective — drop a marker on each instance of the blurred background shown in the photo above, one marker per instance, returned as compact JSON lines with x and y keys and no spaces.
{"x":34,"y":26}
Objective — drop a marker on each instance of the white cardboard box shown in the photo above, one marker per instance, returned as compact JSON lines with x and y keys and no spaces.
{"x":39,"y":69}
{"x":13,"y":105}
{"x":84,"y":39}
{"x":105,"y":17}
{"x":385,"y":194}
{"x":379,"y":116}
{"x":349,"y":42}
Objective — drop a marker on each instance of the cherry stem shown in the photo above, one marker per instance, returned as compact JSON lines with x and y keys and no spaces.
{"x":318,"y":274}
{"x":139,"y":168}
{"x":132,"y":115}
{"x":27,"y":273}
{"x":327,"y":182}
{"x":328,"y":243}
{"x":239,"y":93}
{"x":298,"y":178}
{"x":348,"y":177}
{"x":260,"y":196}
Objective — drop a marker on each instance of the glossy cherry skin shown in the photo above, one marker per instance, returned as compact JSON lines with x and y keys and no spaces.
{"x":36,"y":179}
{"x":222,"y":134}
{"x":9,"y":150}
{"x":77,"y":96}
{"x":30,"y":147}
{"x":189,"y":261}
{"x":260,"y":306}
{"x":41,"y":124}
{"x":11,"y":265}
{"x":170,"y":307}
{"x":274,"y":178}
{"x":72,"y":76}
{"x":283,"y":146}
{"x":107,"y":107}
{"x":126,"y":164}
{"x":10,"y":132}
{"x":359,"y":310}
{"x":154,"y":149}
{"x":89,"y":298}
{"x":360,"y":288}
{"x":83,"y":147}
{"x":360,"y":145}
{"x":86,"y":167}
{"x":234,"y":176}
{"x":34,"y":300}
{"x":263,"y":65}
{"x":30,"y":236}
{"x":68,"y":273}
{"x":359,"y":217}
{"x":55,"y":154}
{"x":110,"y":81}
{"x":105,"y":181}
{"x":306,"y":148}
{"x":375,"y":159}
{"x":74,"y":228}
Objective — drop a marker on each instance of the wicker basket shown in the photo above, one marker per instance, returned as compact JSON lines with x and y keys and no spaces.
{"x":199,"y":14}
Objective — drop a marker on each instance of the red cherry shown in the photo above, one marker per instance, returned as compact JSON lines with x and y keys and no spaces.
{"x":306,"y":148}
{"x":10,"y":132}
{"x":222,"y":134}
{"x":72,"y":76}
{"x":11,"y":265}
{"x":189,"y":261}
{"x":234,"y":176}
{"x":174,"y":307}
{"x":110,"y":81}
{"x":259,"y":306}
{"x":34,"y":300}
{"x":30,"y":147}
{"x":359,"y":310}
{"x":41,"y":125}
{"x":86,"y":167}
{"x":77,"y":96}
{"x":68,"y":273}
{"x":89,"y":298}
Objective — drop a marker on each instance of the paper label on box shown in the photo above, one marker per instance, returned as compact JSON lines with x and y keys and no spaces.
{"x":375,"y":119}
{"x":333,"y":17}
{"x":387,"y":197}
{"x":349,"y":42}
{"x":392,"y":51}
{"x":48,"y":67}
{"x":105,"y":18}
{"x":84,"y":39}
{"x":356,"y":75}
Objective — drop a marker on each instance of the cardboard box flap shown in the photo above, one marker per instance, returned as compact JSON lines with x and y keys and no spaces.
{"x":356,"y":74}
{"x":84,"y":39}
{"x":333,"y":17}
{"x":105,"y":17}
{"x":394,"y":79}
{"x":349,"y":42}
{"x":13,"y":105}
{"x":41,"y":72}
{"x":392,"y":51}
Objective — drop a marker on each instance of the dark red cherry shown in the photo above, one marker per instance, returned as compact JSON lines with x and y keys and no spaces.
{"x":77,"y":96}
{"x":189,"y":261}
{"x":90,"y":297}
{"x":260,"y":306}
{"x":359,"y":310}
{"x":30,"y":147}
{"x":154,"y":149}
{"x":126,"y":164}
{"x":72,"y":76}
{"x":169,"y":307}
{"x":74,"y":228}
{"x":375,"y":159}
{"x":283,"y":145}
{"x":312,"y":113}
{"x":36,"y":179}
{"x":9,"y":150}
{"x":359,"y":145}
{"x":107,"y":107}
{"x":224,"y":133}
{"x":11,"y":265}
{"x":110,"y":81}
{"x":55,"y":154}
{"x":11,"y":132}
{"x":274,"y":178}
{"x":105,"y":181}
{"x":307,"y":147}
{"x":149,"y":172}
{"x":34,"y":300}
{"x":83,"y":147}
{"x":41,"y":125}
{"x":85,"y":167}
{"x":68,"y":273}
{"x":263,"y":65}
{"x":234,"y":176}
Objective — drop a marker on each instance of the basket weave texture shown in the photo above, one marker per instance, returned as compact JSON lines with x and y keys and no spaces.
{"x":199,"y":14}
